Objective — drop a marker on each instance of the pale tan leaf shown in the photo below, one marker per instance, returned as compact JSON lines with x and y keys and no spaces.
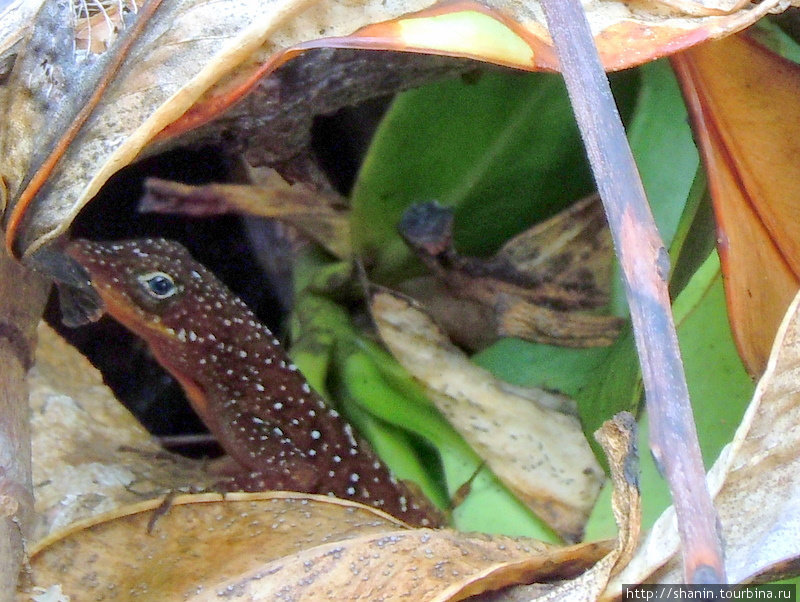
{"x":536,"y":450}
{"x":754,"y":481}
{"x":192,"y":543}
{"x":90,"y":455}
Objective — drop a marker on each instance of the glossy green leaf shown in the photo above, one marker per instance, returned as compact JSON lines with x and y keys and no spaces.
{"x":497,"y":150}
{"x":663,"y":147}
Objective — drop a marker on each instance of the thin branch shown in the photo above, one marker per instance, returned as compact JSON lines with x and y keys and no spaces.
{"x":22,"y":298}
{"x":645,"y":266}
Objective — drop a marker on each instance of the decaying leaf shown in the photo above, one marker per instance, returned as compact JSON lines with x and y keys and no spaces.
{"x":322,"y":218}
{"x":743,"y":99}
{"x":754,"y":482}
{"x":90,"y":455}
{"x":193,"y":542}
{"x":534,"y":286}
{"x":422,"y":564}
{"x":524,"y":435}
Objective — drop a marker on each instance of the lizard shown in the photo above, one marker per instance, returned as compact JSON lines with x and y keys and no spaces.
{"x":238,"y":379}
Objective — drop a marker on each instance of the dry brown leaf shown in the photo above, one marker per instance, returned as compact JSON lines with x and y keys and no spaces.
{"x":435,"y":566}
{"x":321,"y":218}
{"x":533,"y":288}
{"x":192,"y":543}
{"x":90,"y":455}
{"x":539,"y":452}
{"x":754,"y":482}
{"x":257,"y":546}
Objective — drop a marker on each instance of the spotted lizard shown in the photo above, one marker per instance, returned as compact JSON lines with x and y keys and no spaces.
{"x":238,"y":379}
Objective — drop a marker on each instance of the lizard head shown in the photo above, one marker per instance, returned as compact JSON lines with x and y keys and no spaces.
{"x":144,"y":284}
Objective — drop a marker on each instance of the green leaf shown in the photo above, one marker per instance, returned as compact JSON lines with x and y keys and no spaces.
{"x":544,"y":366}
{"x":505,"y":152}
{"x":663,"y":147}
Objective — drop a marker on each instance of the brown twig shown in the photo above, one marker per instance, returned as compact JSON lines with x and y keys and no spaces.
{"x":22,"y":298}
{"x":645,"y":265}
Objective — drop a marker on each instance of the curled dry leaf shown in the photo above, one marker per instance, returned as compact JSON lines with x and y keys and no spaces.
{"x":510,"y":34}
{"x":168,"y":56}
{"x":745,"y":113}
{"x":258,"y":546}
{"x":74,"y":118}
{"x":90,"y":455}
{"x":435,"y":566}
{"x":192,"y":542}
{"x":322,"y":218}
{"x":533,"y":288}
{"x":539,"y":452}
{"x":754,"y":483}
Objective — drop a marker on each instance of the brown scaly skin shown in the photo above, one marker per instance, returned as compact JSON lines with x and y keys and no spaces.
{"x":239,"y":380}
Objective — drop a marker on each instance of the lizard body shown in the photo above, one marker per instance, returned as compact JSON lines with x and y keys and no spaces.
{"x":238,"y":379}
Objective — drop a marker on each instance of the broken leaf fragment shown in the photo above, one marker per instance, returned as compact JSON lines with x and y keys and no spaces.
{"x":533,"y":288}
{"x":322,"y":218}
{"x":526,"y":436}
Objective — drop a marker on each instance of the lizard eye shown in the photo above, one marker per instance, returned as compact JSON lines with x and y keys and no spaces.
{"x":159,"y":285}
